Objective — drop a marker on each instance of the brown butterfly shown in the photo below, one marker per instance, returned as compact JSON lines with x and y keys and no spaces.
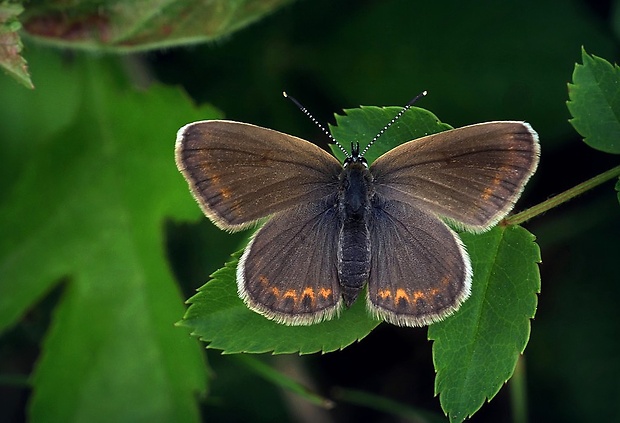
{"x":334,"y":228}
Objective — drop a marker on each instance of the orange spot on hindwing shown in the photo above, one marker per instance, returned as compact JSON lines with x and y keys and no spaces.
{"x":384,"y":293}
{"x":325,"y":293}
{"x":308,"y":292}
{"x":401,"y":294}
{"x":290,"y":293}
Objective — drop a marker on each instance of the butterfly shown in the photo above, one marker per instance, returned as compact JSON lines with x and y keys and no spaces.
{"x":333,"y":228}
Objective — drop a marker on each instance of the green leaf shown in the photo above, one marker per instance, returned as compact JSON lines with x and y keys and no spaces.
{"x":476,"y":350}
{"x":218,"y":316}
{"x":138,"y":25}
{"x":11,"y":45}
{"x":87,"y":207}
{"x":595,"y":103}
{"x":618,"y":189}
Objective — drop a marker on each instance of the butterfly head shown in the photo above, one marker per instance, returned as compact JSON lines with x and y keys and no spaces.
{"x":355,"y":156}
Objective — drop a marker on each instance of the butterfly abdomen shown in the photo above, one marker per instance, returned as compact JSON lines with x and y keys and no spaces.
{"x":354,"y":237}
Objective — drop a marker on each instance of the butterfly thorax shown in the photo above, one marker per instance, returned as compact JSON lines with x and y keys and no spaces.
{"x":354,"y":195}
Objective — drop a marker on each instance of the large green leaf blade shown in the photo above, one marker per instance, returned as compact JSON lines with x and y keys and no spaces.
{"x":595,"y":103}
{"x":88,"y":207}
{"x":476,"y":350}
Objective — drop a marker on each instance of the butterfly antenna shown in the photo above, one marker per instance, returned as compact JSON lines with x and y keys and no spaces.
{"x":316,"y":122}
{"x":393,"y":121}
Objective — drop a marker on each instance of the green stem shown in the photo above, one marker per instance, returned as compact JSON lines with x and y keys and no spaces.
{"x":272,"y":375}
{"x":555,"y":201}
{"x":386,"y":405}
{"x":518,"y":392}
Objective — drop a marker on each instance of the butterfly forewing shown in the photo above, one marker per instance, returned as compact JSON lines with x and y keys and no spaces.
{"x":240,"y":173}
{"x":420,"y":271}
{"x":288,"y":271}
{"x":471,"y":175}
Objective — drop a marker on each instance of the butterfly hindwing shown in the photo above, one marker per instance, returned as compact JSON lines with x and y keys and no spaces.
{"x":471,"y":175}
{"x":420,"y":271}
{"x":288,"y":270}
{"x":240,"y":173}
